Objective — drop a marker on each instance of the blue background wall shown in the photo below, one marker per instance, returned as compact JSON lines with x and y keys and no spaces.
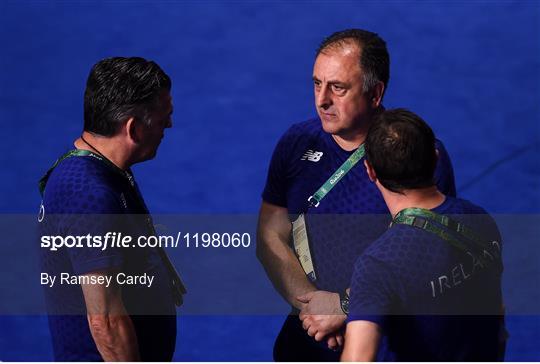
{"x":241,"y":75}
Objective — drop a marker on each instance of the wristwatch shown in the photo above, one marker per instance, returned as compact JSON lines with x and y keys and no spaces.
{"x":344,"y":302}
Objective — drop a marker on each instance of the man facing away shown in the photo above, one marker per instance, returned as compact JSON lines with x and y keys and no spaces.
{"x":431,"y":284}
{"x":311,"y":162}
{"x":91,"y":190}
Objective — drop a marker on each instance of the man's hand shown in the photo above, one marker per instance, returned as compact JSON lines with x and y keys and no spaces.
{"x":321,"y":314}
{"x":335,"y":341}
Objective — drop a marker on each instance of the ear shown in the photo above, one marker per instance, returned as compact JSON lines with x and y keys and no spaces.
{"x":377,"y":94}
{"x":133,"y":130}
{"x":370,"y":171}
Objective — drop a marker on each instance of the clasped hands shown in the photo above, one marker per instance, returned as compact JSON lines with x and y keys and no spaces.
{"x":322,"y":317}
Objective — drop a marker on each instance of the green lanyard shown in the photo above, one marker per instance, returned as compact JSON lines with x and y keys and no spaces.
{"x":428,"y":220}
{"x":72,"y":153}
{"x":83,"y":153}
{"x":316,"y":198}
{"x":176,"y":282}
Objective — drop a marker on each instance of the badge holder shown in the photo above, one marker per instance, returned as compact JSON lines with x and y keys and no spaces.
{"x":301,"y":246}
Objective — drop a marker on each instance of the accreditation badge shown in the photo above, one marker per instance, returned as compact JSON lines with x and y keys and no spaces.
{"x":301,"y":246}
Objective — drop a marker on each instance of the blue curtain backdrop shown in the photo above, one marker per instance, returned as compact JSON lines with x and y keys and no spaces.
{"x":241,"y":75}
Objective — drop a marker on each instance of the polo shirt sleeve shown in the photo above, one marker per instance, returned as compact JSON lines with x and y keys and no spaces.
{"x":100,"y":213}
{"x":372,"y":294}
{"x":275,"y":190}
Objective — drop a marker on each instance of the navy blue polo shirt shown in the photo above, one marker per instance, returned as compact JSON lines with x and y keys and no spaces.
{"x":351,"y":216}
{"x":86,"y":196}
{"x":434,"y":302}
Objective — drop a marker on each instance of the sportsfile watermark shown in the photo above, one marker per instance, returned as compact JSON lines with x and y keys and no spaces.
{"x":218,"y":259}
{"x":112,"y":240}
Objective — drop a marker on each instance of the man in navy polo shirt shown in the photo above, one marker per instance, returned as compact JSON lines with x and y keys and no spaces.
{"x":431,"y":284}
{"x":91,"y":190}
{"x":350,"y":77}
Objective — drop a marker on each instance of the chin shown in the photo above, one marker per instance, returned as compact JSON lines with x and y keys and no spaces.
{"x":148,"y":157}
{"x":330,"y":128}
{"x":152,"y":155}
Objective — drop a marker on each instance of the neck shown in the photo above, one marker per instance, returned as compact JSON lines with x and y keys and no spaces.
{"x":426,"y":198}
{"x":352,"y":139}
{"x":350,"y":142}
{"x":105,"y":146}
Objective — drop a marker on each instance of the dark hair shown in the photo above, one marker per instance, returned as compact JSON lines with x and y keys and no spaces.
{"x":119,"y":88}
{"x":400,"y":147}
{"x":374,"y":57}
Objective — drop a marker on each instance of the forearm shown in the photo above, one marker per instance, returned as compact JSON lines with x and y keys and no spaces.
{"x":355,"y":354}
{"x":279,"y":260}
{"x":115,"y":337}
{"x":109,"y":322}
{"x":361,"y":341}
{"x":352,"y":354}
{"x":284,"y":270}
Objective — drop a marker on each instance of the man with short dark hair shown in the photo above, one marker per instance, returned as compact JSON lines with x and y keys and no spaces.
{"x":105,"y":315}
{"x":431,"y":284}
{"x":313,"y":182}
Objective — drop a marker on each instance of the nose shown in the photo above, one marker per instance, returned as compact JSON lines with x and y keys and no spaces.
{"x":323,"y":98}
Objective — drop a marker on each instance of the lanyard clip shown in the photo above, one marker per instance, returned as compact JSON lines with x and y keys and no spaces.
{"x":311,"y":203}
{"x":419,"y":222}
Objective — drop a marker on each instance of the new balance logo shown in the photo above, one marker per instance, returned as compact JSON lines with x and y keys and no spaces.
{"x":312,"y":156}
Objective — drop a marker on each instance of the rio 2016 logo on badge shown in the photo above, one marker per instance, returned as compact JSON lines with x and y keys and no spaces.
{"x":41,"y":214}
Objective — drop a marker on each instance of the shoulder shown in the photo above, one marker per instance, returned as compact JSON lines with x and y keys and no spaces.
{"x":81,"y":185}
{"x":402,"y":248}
{"x":393,"y":243}
{"x":81,"y":173}
{"x":299,"y":138}
{"x":454,"y":205}
{"x":310,"y":126}
{"x":472,"y":215}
